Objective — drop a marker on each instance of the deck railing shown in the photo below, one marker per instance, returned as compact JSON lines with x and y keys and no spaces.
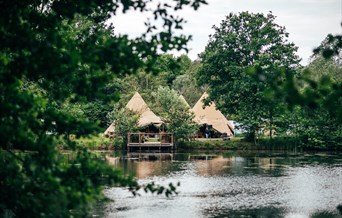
{"x":150,"y":139}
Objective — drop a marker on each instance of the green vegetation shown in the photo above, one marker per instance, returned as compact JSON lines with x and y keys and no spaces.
{"x":263,"y":88}
{"x":100,"y":143}
{"x":58,"y":62}
{"x":254,"y":76}
{"x":169,"y":105}
{"x":241,"y":43}
{"x":125,"y":121}
{"x":215,"y":144}
{"x":62,"y":69}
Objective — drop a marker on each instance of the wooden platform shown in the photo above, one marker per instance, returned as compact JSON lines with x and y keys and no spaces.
{"x":143,"y":141}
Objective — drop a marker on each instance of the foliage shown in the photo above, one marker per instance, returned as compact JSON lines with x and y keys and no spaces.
{"x":318,"y":86}
{"x":96,"y":111}
{"x":314,"y":101}
{"x":65,"y":53}
{"x":99,"y":142}
{"x":186,"y":84}
{"x":320,"y":67}
{"x":175,"y":112}
{"x":242,"y":44}
{"x":323,"y":118}
{"x":48,"y":193}
{"x":170,"y":67}
{"x":146,"y":82}
{"x":236,"y":144}
{"x":330,"y":47}
{"x":124,"y":121}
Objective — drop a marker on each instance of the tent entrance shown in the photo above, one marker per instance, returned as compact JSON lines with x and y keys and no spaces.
{"x":207,"y":131}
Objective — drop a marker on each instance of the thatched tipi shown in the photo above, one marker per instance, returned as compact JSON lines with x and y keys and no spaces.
{"x":139,"y":106}
{"x":209,"y":115}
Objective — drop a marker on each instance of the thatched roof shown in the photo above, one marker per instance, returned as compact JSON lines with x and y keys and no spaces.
{"x":148,"y":117}
{"x":211,"y":116}
{"x":110,"y":129}
{"x":183,"y":99}
{"x":139,"y":106}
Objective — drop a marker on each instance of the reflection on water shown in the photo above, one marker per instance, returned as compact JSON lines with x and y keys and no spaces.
{"x":230,"y":185}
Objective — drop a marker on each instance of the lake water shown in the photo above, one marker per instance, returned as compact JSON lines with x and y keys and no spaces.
{"x":230,"y":185}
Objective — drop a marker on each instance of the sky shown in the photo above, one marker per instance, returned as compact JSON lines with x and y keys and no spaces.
{"x":307,"y":21}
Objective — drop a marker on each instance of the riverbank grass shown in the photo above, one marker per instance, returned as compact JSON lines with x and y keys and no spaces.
{"x":94,"y":142}
{"x":100,"y":142}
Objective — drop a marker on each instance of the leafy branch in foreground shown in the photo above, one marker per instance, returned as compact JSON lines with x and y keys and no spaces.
{"x":53,"y":54}
{"x":314,"y":97}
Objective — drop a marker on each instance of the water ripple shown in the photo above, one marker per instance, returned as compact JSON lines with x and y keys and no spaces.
{"x":235,"y":186}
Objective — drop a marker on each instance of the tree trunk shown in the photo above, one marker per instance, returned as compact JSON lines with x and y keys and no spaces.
{"x":271,"y":124}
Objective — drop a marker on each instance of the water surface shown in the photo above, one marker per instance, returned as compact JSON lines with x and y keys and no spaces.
{"x":230,"y":185}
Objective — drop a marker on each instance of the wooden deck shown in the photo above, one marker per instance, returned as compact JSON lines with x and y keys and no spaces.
{"x":150,"y":141}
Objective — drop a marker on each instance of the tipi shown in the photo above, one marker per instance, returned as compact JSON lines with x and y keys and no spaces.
{"x":185,"y":102}
{"x":139,"y":106}
{"x":209,"y":115}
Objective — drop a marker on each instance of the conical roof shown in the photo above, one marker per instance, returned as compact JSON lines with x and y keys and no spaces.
{"x":211,"y":116}
{"x":110,"y":129}
{"x":183,"y":99}
{"x":139,"y":106}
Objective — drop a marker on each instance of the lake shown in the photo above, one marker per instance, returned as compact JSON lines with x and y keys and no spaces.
{"x":230,"y":184}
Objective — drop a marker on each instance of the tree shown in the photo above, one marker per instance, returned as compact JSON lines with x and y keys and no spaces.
{"x":242,"y":44}
{"x":65,"y":49}
{"x":313,"y":97}
{"x":175,"y":112}
{"x":170,"y":67}
{"x":321,"y":67}
{"x":322,"y":81}
{"x":124,"y":121}
{"x":319,"y":85}
{"x":186,"y":84}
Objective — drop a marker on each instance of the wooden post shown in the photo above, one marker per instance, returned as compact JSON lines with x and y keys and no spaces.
{"x":129,"y":139}
{"x":173,"y":145}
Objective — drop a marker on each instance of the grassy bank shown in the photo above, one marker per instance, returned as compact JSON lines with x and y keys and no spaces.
{"x":214,"y":144}
{"x":93,"y":143}
{"x":237,"y":143}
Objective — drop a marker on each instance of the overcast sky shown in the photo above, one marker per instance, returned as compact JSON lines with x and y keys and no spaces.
{"x":307,"y":21}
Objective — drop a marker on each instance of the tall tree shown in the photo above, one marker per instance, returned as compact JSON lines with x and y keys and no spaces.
{"x":186,"y":84}
{"x":179,"y":118}
{"x":319,"y":85}
{"x":242,"y":44}
{"x":169,"y":67}
{"x":124,"y":122}
{"x":322,"y":85}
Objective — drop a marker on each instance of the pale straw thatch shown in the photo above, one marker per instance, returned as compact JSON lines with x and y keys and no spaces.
{"x":211,"y":116}
{"x":139,"y":106}
{"x":183,"y":100}
{"x":110,"y":130}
